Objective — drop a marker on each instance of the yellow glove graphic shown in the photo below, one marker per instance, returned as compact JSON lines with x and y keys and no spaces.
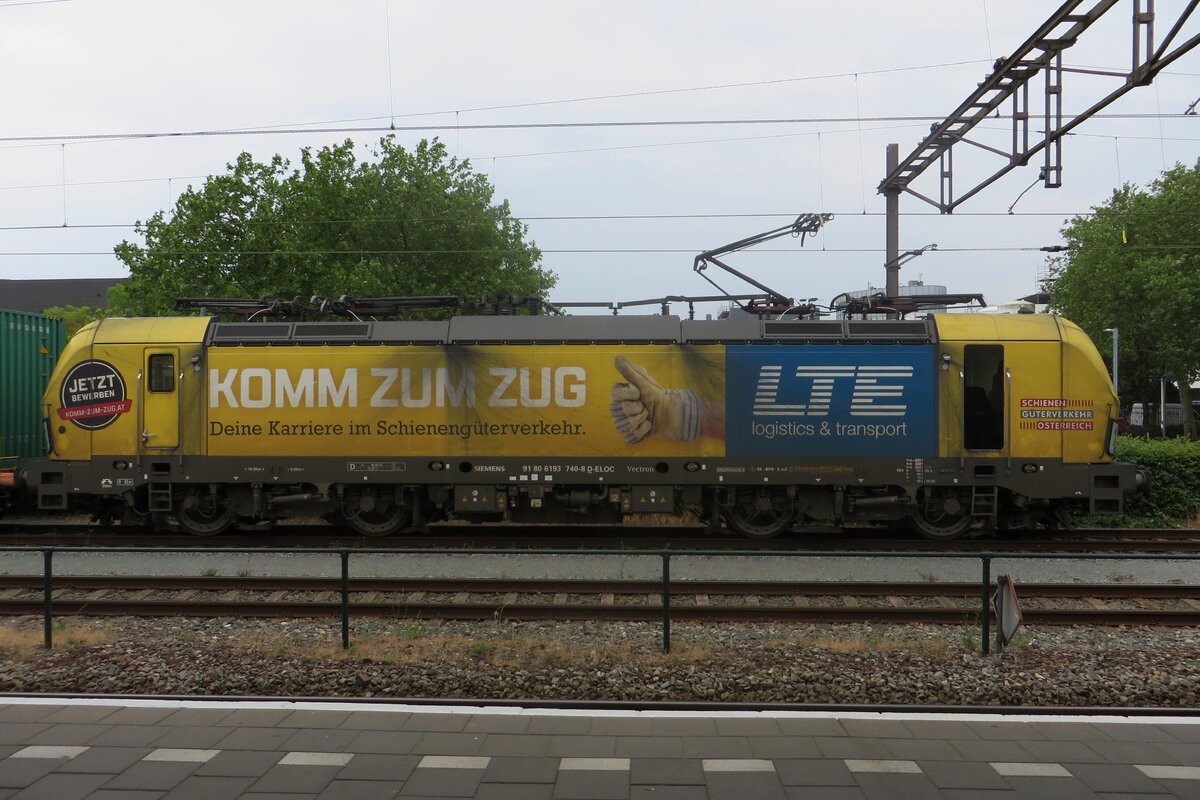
{"x":642,"y":407}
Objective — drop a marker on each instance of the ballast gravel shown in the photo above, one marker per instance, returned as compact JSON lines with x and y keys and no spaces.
{"x":760,"y":663}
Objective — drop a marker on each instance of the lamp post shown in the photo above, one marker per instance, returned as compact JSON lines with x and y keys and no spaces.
{"x":1116,"y":334}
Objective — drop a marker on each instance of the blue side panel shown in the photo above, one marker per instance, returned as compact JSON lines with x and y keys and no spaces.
{"x":831,"y":401}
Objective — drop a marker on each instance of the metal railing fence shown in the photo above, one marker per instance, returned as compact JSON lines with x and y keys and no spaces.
{"x":665,"y":555}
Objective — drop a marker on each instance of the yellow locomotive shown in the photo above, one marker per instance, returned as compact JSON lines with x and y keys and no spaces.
{"x":766,"y":425}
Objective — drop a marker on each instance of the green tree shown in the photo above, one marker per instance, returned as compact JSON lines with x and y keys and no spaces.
{"x":404,"y":224}
{"x":75,"y":317}
{"x":1134,"y":264}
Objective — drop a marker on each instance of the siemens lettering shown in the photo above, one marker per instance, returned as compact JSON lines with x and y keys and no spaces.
{"x":395,"y":387}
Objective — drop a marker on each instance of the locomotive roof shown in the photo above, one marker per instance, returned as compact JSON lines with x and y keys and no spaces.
{"x":123,"y":330}
{"x":567,"y":330}
{"x":581,"y":329}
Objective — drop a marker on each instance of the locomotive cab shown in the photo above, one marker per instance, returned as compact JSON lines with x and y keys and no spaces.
{"x":1029,"y":408}
{"x":116,"y":412}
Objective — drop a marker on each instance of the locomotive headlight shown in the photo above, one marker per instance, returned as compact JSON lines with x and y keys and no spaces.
{"x":946,"y":361}
{"x":196,"y":363}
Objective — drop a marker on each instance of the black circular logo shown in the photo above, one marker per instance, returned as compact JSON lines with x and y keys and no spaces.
{"x":93,"y":395}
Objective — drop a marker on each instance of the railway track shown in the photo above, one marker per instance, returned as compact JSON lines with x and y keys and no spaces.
{"x":683,"y":537}
{"x":713,"y":601}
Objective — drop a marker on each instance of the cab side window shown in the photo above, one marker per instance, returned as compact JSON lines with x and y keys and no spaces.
{"x":983,"y":397}
{"x":161,"y":369}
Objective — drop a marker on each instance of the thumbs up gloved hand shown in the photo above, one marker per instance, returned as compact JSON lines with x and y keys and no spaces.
{"x":642,"y":407}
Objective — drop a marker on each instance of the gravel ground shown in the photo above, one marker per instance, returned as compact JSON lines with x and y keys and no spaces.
{"x":606,"y":661}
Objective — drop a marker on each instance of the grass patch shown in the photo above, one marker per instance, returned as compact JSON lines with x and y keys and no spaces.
{"x":510,"y":652}
{"x":859,"y":646}
{"x":533,"y":653}
{"x":19,"y":644}
{"x":687,"y":653}
{"x":413,"y":630}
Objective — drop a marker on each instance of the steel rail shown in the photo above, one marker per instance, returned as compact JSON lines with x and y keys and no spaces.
{"x":592,"y":612}
{"x":266,"y":584}
{"x":682,"y":537}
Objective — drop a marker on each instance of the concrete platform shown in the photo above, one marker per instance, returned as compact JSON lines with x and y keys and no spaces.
{"x":65,"y":749}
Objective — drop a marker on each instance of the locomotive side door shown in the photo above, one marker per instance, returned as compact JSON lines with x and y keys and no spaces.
{"x":159,"y":389}
{"x":985,"y":397}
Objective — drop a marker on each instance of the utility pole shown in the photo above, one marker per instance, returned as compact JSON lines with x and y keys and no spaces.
{"x":892,"y":218}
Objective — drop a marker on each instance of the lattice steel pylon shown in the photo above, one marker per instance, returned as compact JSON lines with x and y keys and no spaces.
{"x":1010,"y":78}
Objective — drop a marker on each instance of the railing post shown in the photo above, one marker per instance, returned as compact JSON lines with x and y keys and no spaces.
{"x":47,"y":598}
{"x":985,"y":612}
{"x":666,"y":601}
{"x":345,"y":554}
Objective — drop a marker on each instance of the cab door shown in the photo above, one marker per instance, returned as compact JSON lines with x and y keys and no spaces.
{"x":986,"y":389}
{"x":159,"y":379}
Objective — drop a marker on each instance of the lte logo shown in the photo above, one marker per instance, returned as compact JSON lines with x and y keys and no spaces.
{"x":874,"y":390}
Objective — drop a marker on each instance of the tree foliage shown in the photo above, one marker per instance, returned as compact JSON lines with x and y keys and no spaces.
{"x":405,"y":224}
{"x":75,"y":317}
{"x":1134,"y":264}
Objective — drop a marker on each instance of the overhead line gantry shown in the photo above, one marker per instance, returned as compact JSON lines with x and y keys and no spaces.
{"x":1010,"y":78}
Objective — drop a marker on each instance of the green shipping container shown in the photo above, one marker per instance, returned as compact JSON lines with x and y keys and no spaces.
{"x":29,"y":346}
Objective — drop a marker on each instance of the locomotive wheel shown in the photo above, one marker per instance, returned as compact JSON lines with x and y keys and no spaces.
{"x":199,"y":523}
{"x":384,"y":516}
{"x":942,"y":526}
{"x":381,"y":523}
{"x":207,"y":516}
{"x":758,"y":515}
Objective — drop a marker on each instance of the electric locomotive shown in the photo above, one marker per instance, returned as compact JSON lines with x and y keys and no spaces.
{"x":764,"y":425}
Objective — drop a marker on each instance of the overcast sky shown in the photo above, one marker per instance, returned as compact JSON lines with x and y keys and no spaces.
{"x":77,"y":68}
